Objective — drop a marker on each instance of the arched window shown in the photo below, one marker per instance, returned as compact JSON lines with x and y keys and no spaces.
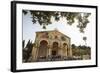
{"x":56,"y":37}
{"x":64,"y":44}
{"x":63,"y":38}
{"x":43,"y":42}
{"x":55,"y":44}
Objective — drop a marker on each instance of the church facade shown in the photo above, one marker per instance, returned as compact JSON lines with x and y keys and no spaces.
{"x":51,"y":45}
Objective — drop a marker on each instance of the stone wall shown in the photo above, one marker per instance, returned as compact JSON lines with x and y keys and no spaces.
{"x":62,"y":43}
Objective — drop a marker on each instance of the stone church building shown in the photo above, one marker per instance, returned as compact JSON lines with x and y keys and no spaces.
{"x":51,"y":45}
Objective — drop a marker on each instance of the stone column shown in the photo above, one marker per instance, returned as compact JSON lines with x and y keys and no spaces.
{"x":60,"y":51}
{"x":66,"y":54}
{"x":34,"y":53}
{"x":70,"y":49}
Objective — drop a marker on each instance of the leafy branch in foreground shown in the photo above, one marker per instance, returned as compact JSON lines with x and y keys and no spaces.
{"x":44,"y":18}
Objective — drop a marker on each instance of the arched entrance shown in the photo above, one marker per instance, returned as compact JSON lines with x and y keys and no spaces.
{"x":42,"y":52}
{"x":54,"y":51}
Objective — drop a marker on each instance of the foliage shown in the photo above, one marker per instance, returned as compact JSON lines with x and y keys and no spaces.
{"x":44,"y":18}
{"x":23,"y":43}
{"x":85,"y":38}
{"x":27,"y":52}
{"x":81,"y":50}
{"x":73,"y":46}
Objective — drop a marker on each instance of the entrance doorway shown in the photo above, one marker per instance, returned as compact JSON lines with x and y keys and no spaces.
{"x":54,"y":53}
{"x":42,"y":52}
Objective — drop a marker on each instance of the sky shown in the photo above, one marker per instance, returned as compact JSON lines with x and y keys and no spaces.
{"x":72,"y":31}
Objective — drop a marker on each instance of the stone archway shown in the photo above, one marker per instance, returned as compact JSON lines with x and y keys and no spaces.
{"x":54,"y":48}
{"x":42,"y":51}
